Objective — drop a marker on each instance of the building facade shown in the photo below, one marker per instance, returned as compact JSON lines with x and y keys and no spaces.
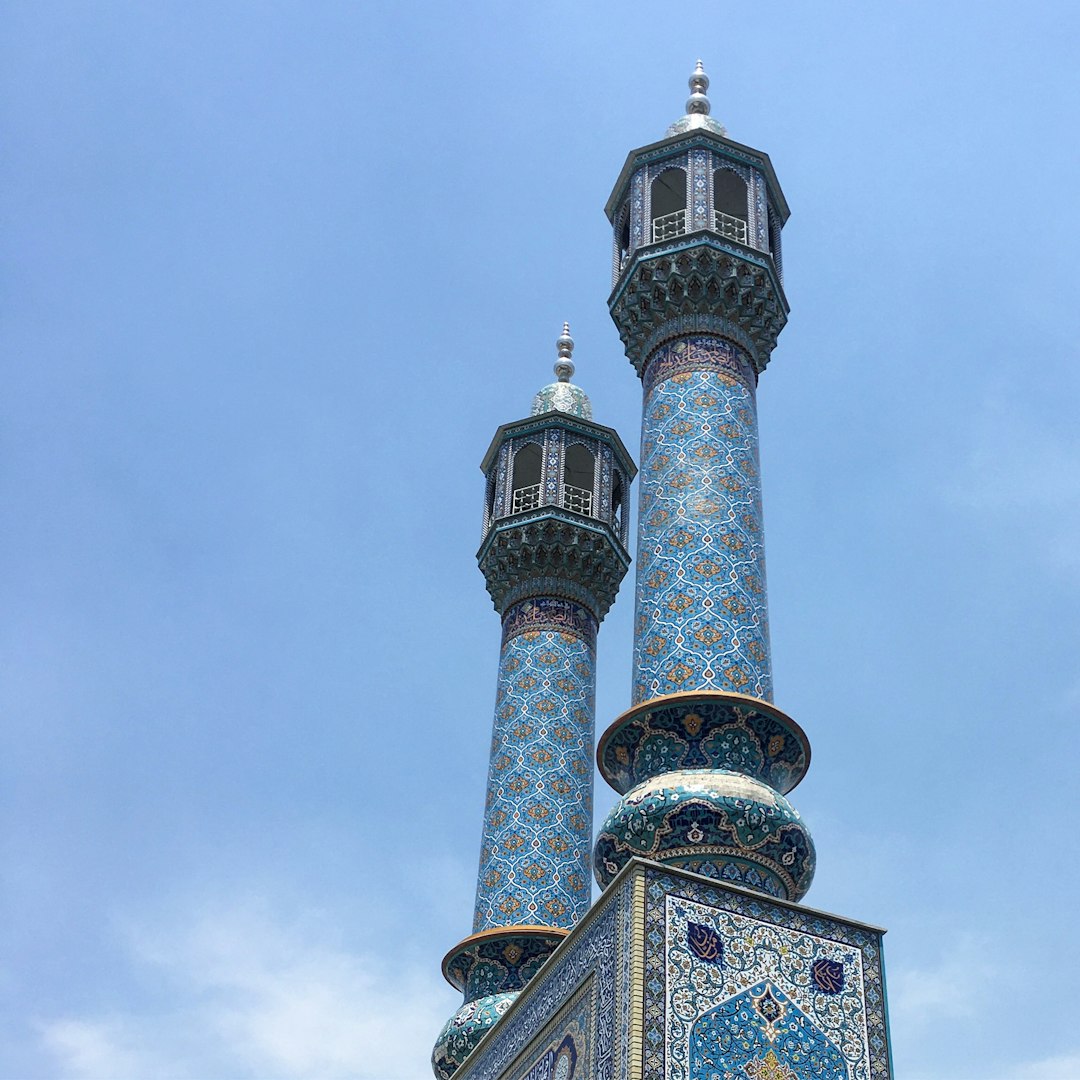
{"x":698,"y":962}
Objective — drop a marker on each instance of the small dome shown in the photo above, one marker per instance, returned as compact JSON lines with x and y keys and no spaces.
{"x":563,"y":396}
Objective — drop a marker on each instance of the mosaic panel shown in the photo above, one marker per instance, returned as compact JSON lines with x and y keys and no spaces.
{"x":600,"y":954}
{"x":701,"y":615}
{"x":788,"y":981}
{"x":699,"y":183}
{"x":637,"y":210}
{"x":762,"y":1034}
{"x":566,"y":1047}
{"x":760,"y":224}
{"x":535,"y":853}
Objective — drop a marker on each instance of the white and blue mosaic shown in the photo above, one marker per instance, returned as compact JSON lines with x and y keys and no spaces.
{"x":535,"y":853}
{"x":741,"y":987}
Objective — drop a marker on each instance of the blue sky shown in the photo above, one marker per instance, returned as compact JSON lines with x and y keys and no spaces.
{"x":275,"y":272}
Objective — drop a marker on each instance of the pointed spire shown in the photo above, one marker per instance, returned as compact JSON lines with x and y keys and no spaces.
{"x":563,"y":395}
{"x":698,"y":102}
{"x":564,"y":366}
{"x":697,"y":107}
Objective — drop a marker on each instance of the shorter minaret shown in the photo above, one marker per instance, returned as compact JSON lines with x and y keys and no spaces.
{"x":553,"y":554}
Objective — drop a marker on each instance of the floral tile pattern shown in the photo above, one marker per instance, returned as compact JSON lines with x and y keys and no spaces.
{"x":537,"y":838}
{"x":701,"y":617}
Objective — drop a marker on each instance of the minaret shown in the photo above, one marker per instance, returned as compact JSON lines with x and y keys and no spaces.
{"x":553,"y":554}
{"x":703,"y":758}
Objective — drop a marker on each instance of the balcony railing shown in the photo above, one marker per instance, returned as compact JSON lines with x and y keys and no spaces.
{"x":577,"y":499}
{"x":580,"y":500}
{"x":525,"y":498}
{"x":734,"y":228}
{"x":668,"y":226}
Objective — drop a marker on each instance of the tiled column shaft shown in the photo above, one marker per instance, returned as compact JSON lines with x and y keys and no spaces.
{"x":701,"y":609}
{"x":537,"y":839}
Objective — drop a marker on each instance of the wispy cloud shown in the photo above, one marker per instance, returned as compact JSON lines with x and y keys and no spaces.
{"x":1065,"y":1067}
{"x":241,"y":993}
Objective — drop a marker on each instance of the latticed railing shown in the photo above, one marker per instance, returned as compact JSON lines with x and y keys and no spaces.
{"x":577,"y":499}
{"x":668,"y":226}
{"x":734,"y":228}
{"x":525,"y":498}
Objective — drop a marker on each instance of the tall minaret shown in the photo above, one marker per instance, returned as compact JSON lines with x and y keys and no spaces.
{"x":553,"y":554}
{"x":703,"y":757}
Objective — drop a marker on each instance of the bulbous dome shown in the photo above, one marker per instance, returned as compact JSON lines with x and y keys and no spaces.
{"x":465,"y":1029}
{"x":563,"y":395}
{"x":714,"y":822}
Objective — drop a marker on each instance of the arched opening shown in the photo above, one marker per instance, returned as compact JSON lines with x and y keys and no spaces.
{"x":730,"y":204}
{"x":489,"y":499}
{"x":578,"y":478}
{"x":624,"y":236}
{"x":617,"y":506}
{"x":669,"y":204}
{"x":526,"y":483}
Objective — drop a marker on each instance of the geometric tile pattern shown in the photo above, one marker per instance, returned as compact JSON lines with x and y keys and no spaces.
{"x":701,"y":614}
{"x":536,"y":845}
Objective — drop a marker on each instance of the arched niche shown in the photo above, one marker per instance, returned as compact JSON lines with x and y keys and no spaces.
{"x":761,"y":1032}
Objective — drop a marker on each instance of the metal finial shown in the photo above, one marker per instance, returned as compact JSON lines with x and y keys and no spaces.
{"x":564,"y":366}
{"x":698,"y":102}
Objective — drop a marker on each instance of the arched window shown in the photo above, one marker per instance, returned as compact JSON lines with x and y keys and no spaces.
{"x":730,"y":204}
{"x":617,"y":506}
{"x":578,"y":479}
{"x":489,"y":499}
{"x":526,"y":484}
{"x":669,"y":205}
